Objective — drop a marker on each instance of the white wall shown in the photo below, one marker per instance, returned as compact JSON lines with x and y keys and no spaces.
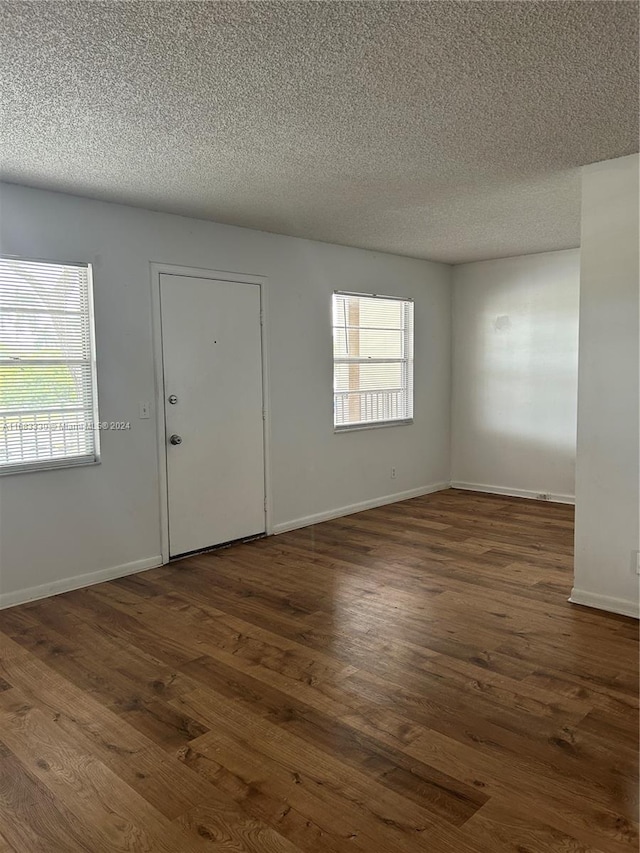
{"x":515,"y":365}
{"x":57,"y":526}
{"x":607,"y":475}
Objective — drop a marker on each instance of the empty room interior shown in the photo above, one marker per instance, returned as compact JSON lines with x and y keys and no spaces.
{"x":319,"y":427}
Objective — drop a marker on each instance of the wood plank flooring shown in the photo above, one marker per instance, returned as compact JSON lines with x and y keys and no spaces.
{"x":407,"y":679}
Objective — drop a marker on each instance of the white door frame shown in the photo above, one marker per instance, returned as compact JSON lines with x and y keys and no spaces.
{"x":157,"y":269}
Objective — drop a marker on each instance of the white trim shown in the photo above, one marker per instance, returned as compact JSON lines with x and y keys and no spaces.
{"x":161,"y":435}
{"x":373,"y":295}
{"x":266,"y":425}
{"x":358,"y":426}
{"x":50,"y":465}
{"x":514,"y":493}
{"x":605,"y":602}
{"x":359,"y":507}
{"x":33,"y":593}
{"x":156,"y":270}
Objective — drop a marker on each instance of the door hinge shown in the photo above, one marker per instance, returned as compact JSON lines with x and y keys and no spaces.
{"x":265,"y":504}
{"x":264,"y":415}
{"x":261,"y":317}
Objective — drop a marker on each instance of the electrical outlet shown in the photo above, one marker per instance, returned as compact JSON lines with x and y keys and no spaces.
{"x":144,"y":410}
{"x":394,"y":473}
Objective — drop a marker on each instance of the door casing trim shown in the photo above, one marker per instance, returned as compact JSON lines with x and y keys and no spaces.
{"x":156,"y":270}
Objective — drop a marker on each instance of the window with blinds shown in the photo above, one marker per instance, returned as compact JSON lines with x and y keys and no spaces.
{"x":48,"y":400}
{"x":372,"y":360}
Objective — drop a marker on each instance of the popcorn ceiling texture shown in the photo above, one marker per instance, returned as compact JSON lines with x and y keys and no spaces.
{"x":442,"y":130}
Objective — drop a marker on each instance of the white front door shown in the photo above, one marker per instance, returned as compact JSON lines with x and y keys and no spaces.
{"x":213,"y":407}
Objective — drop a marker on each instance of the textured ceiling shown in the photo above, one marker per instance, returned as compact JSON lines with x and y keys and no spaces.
{"x":444,"y":130}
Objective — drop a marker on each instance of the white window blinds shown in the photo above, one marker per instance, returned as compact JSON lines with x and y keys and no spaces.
{"x":372,"y":360}
{"x":48,"y":403}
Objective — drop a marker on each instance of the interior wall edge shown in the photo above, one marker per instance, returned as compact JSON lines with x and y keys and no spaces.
{"x":46,"y":590}
{"x":308,"y":520}
{"x":622,"y":606}
{"x":514,"y":493}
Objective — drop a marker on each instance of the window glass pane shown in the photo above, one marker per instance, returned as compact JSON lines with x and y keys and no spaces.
{"x":35,"y":387}
{"x":376,"y":343}
{"x":42,"y":336}
{"x":339,"y":343}
{"x":368,"y":377}
{"x":384,"y":313}
{"x":48,"y":407}
{"x":373,"y":359}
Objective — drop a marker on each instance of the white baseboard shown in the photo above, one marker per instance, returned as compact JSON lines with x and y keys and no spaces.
{"x":307,"y":520}
{"x":623,"y":606}
{"x":514,"y":493}
{"x":33,"y":593}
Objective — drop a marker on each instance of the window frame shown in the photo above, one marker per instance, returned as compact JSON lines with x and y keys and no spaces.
{"x":407,"y":362}
{"x":67,"y":461}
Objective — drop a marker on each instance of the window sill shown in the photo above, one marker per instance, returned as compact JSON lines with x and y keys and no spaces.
{"x":376,"y":425}
{"x":54,"y":465}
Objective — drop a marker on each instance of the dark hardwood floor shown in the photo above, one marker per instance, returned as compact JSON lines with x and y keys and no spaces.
{"x":411,"y":678}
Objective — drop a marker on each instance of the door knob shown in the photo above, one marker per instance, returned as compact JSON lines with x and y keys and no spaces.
{"x":175,"y":439}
